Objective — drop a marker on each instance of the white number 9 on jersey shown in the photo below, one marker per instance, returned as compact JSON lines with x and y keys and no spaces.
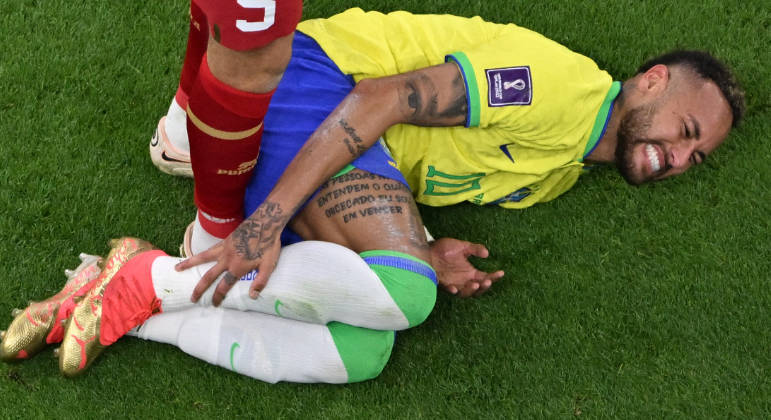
{"x":268,"y":20}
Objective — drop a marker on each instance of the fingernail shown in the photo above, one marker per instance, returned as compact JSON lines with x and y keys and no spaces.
{"x":254,"y":294}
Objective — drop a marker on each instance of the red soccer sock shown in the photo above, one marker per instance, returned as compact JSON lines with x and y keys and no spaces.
{"x":224,"y":126}
{"x":197,"y":39}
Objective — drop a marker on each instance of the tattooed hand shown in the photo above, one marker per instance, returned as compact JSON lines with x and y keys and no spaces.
{"x":255,"y":244}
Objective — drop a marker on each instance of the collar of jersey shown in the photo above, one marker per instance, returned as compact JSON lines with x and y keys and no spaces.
{"x":601,"y":122}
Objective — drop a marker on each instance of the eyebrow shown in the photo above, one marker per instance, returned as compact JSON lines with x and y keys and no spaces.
{"x":696,"y":127}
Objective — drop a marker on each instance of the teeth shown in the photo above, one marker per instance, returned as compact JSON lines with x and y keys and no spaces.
{"x":83,"y":256}
{"x":653,"y":157}
{"x":2,"y":335}
{"x":56,"y":352}
{"x":16,"y":312}
{"x":68,"y":273}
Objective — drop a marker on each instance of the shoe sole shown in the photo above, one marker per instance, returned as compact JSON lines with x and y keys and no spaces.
{"x":160,"y":158}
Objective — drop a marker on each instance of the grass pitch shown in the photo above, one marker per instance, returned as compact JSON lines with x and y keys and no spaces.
{"x":622,"y":302}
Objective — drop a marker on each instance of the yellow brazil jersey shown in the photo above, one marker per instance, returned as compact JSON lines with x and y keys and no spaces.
{"x":535,"y":108}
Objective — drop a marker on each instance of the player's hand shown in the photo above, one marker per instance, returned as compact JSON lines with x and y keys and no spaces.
{"x":454,"y":272}
{"x":255,"y":244}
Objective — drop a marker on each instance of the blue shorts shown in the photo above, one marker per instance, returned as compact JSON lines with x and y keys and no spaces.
{"x":310,"y":90}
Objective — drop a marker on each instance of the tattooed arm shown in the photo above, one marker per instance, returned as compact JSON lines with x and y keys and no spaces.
{"x":434,"y":96}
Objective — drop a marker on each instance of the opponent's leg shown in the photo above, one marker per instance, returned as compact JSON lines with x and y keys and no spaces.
{"x":248,"y":50}
{"x":273,"y":349}
{"x":169,"y":146}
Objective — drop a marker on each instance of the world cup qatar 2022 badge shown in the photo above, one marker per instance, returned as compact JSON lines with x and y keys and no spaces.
{"x":509,"y":86}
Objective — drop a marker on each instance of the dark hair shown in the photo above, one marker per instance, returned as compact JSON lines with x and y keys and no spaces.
{"x":707,"y":67}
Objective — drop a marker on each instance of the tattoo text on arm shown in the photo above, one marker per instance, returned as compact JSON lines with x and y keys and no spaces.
{"x":354,"y":144}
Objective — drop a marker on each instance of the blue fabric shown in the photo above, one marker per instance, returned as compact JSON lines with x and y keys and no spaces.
{"x":310,"y":90}
{"x":404,"y":264}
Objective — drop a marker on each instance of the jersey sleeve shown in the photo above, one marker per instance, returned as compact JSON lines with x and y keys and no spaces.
{"x":527,"y":84}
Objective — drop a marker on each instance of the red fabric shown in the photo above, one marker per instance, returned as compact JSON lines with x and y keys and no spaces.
{"x":247,"y":24}
{"x":219,"y":229}
{"x":129,"y":299}
{"x":197,"y":39}
{"x":65,"y":311}
{"x":223,"y":168}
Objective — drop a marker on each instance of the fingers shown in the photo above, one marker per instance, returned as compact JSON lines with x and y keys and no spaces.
{"x":481,"y":283}
{"x":485,"y":286}
{"x":208,"y":278}
{"x":263,"y":274}
{"x":210,"y":254}
{"x":227,"y":281}
{"x":495,"y":276}
{"x":469,"y":289}
{"x":477,"y":250}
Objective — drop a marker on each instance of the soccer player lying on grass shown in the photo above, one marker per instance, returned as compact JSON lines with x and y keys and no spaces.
{"x":470,"y":111}
{"x":660,"y":116}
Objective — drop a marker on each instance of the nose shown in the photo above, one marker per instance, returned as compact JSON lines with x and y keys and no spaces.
{"x":680,"y":154}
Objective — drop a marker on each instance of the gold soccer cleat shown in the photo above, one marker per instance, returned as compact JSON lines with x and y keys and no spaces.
{"x":40,"y":323}
{"x":81,"y":343}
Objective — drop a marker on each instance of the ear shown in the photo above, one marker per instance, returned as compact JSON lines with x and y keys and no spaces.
{"x":655,"y":80}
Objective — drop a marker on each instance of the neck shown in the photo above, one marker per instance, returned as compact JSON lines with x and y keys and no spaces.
{"x":605,"y":152}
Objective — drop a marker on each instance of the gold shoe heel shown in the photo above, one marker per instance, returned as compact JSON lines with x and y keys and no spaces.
{"x":27,"y":334}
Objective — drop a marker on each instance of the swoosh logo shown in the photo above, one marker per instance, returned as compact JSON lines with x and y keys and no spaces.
{"x":166,"y":157}
{"x":232,"y":352}
{"x":505,"y":151}
{"x":275,"y":307}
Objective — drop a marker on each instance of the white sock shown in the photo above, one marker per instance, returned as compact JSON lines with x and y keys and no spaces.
{"x":176,"y":127}
{"x":174,"y":288}
{"x":314,"y":281}
{"x":201,"y":240}
{"x":320,"y":282}
{"x":264,"y":347}
{"x":162,"y":328}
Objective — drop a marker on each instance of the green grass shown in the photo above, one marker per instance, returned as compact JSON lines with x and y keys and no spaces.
{"x":619,"y":302}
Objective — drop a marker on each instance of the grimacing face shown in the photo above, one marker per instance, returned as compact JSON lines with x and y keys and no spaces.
{"x":672,"y":132}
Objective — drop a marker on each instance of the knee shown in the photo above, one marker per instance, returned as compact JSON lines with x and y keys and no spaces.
{"x":364,"y":352}
{"x":410,"y":282}
{"x":257,"y":70}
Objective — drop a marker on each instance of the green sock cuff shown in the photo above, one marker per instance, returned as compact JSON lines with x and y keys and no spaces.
{"x":387,"y":253}
{"x":364,"y":352}
{"x":410,"y":282}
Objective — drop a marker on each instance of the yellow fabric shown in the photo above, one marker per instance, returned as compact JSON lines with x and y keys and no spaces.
{"x":516,"y":154}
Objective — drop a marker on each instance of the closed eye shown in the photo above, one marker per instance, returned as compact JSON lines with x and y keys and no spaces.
{"x":698,"y":157}
{"x":686,"y":130}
